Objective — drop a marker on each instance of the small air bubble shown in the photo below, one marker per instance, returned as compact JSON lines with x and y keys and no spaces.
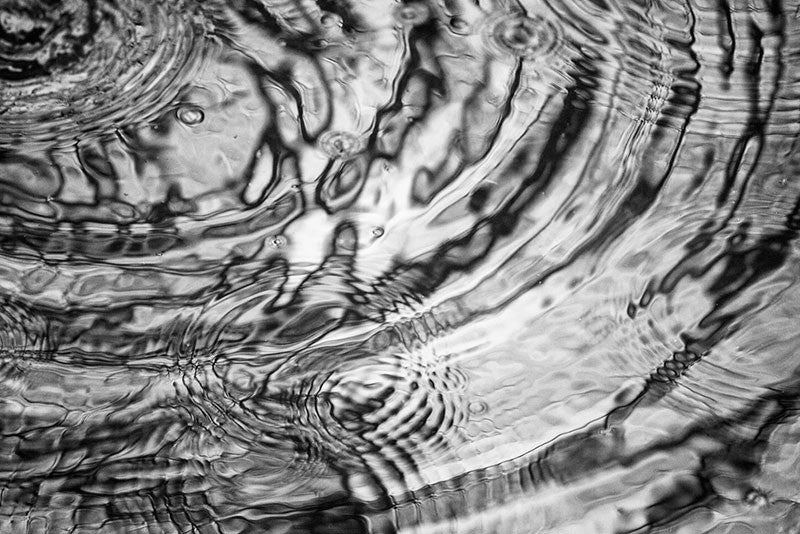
{"x":278,"y":241}
{"x":190,"y":115}
{"x":477,"y":407}
{"x":377,"y":231}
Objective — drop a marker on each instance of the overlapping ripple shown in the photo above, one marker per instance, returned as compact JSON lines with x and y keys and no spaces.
{"x":343,"y":267}
{"x":72,"y":69}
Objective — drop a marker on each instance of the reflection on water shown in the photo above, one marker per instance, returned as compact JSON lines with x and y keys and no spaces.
{"x":359,"y":266}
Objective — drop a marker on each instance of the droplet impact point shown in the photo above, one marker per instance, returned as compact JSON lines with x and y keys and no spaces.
{"x":526,"y":37}
{"x":340,"y":145}
{"x":278,"y":241}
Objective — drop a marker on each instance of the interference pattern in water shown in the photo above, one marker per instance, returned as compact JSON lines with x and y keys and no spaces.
{"x":350,"y":267}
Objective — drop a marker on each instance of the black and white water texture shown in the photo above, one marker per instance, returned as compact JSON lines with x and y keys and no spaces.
{"x":366,"y":266}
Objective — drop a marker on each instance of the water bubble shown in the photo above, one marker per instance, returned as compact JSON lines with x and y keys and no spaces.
{"x":412,"y":14}
{"x":477,"y":407}
{"x":346,"y":240}
{"x":340,"y":145}
{"x":525,"y":37}
{"x":190,"y":115}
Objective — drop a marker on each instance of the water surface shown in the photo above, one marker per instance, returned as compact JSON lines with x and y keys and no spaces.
{"x":344,"y":266}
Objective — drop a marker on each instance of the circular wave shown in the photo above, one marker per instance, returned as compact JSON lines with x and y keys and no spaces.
{"x":391,"y":416}
{"x":72,"y":67}
{"x":521,"y":36}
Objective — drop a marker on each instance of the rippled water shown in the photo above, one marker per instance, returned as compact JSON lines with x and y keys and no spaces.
{"x":361,"y":266}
